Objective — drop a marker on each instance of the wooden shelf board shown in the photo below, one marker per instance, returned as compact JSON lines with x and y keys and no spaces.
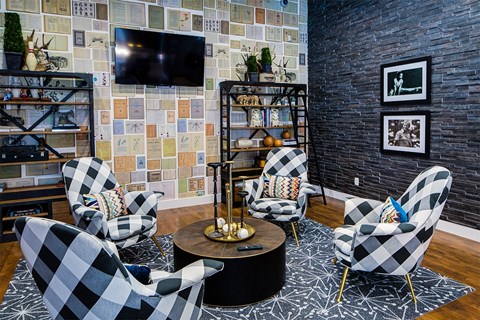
{"x":249,"y":149}
{"x":13,"y":133}
{"x":20,"y":201}
{"x":235,"y":105}
{"x":3,"y":164}
{"x":33,"y":188}
{"x":35,"y":103}
{"x":247,"y":127}
{"x":41,"y":214}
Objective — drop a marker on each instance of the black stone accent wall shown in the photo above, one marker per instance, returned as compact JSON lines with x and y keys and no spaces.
{"x":347,"y":43}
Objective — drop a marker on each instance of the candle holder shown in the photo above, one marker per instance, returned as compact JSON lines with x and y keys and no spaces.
{"x":215,"y":233}
{"x":232,"y":231}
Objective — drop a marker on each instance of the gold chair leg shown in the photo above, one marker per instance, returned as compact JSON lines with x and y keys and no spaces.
{"x":411,"y":288}
{"x":334,"y":260}
{"x":158,"y":245}
{"x":342,"y":285}
{"x":295,"y":234}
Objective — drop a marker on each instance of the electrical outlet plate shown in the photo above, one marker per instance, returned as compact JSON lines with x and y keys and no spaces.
{"x":356,"y":181}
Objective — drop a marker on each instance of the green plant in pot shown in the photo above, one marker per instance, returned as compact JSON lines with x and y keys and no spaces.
{"x":266,"y":60}
{"x":252,"y":68}
{"x":13,"y":45}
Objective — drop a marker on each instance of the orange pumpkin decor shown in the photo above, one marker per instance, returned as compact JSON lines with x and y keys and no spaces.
{"x":286,"y":134}
{"x":268,"y":141}
{"x":278,"y":143}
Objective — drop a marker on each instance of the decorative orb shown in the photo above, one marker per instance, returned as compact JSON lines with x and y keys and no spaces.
{"x":268,"y":141}
{"x":278,"y":143}
{"x":286,"y":134}
{"x":225,"y":228}
{"x":242,"y":233}
{"x":221,"y":222}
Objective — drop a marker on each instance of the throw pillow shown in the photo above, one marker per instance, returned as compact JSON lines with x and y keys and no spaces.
{"x":111,"y":202}
{"x":392,"y":212}
{"x":140,"y":272}
{"x":281,"y":187}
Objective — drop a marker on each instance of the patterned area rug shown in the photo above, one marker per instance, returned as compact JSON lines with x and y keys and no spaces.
{"x":309,"y":292}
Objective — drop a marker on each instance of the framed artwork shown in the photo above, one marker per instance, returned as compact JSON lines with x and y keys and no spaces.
{"x":406,"y":133}
{"x":406,"y":82}
{"x":78,"y":38}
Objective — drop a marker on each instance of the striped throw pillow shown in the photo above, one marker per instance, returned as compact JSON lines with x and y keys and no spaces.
{"x":392,"y":212}
{"x":280,"y":187}
{"x":111,"y":203}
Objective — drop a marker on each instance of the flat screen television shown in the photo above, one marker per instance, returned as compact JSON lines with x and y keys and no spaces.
{"x":156,"y":58}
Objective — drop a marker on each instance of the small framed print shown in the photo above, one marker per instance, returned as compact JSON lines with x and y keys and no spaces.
{"x":209,"y":50}
{"x":406,"y":133}
{"x":406,"y":82}
{"x":79,"y":38}
{"x":301,"y":59}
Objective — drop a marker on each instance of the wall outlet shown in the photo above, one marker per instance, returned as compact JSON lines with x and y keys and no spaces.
{"x":356,"y":181}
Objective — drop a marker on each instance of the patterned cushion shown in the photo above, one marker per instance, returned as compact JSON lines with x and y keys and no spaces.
{"x":111,"y":203}
{"x":280,"y":187}
{"x":392,"y":212}
{"x":274,"y":206}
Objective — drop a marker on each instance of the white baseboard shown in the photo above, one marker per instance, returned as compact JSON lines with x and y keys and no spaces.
{"x":180,"y":203}
{"x":456,"y":229}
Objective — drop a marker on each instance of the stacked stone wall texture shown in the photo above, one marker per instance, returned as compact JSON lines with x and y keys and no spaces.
{"x":348,"y":42}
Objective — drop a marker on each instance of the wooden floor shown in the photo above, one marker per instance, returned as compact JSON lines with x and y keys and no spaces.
{"x":449,"y":255}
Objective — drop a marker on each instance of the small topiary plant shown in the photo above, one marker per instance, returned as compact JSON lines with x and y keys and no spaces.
{"x":252,"y":64}
{"x":12,"y":36}
{"x":266,"y":56}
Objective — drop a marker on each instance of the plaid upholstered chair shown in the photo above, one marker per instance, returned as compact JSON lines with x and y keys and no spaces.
{"x":109,"y":212}
{"x":365,"y":244}
{"x":279,"y":194}
{"x":81,"y":277}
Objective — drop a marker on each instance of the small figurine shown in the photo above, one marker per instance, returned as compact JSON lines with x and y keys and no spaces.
{"x":7,"y":96}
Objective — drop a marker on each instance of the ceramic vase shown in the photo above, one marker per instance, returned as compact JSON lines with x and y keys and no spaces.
{"x":15,"y":84}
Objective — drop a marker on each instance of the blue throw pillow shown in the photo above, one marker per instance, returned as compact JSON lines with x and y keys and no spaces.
{"x":141,"y":273}
{"x":392,"y":212}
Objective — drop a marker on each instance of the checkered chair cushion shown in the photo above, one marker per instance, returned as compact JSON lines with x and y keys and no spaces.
{"x":92,"y":175}
{"x":81,"y":277}
{"x":288,"y":162}
{"x":393,"y":248}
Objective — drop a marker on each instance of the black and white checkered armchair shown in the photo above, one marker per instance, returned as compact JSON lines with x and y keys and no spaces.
{"x":365,"y":244}
{"x":91,"y":175}
{"x":81,"y":277}
{"x":284,"y":162}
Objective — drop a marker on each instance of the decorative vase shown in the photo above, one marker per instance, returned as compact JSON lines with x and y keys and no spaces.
{"x":13,"y":60}
{"x":31,"y":59}
{"x":278,"y":143}
{"x":266,"y":68}
{"x":253,"y":76}
{"x":34,"y":82}
{"x":16,"y":83}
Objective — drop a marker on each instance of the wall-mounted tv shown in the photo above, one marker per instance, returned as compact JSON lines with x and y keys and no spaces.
{"x":156,"y":58}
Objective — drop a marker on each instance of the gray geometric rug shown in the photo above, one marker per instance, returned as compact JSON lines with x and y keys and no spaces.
{"x":310,"y":289}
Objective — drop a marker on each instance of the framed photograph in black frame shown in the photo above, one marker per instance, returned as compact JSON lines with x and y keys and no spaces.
{"x":406,"y":82}
{"x":406,"y":133}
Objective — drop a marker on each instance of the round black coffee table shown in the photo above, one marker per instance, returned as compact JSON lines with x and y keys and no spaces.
{"x":248,"y":276}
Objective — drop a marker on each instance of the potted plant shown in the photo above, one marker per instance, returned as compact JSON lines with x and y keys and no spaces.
{"x":266,"y":60}
{"x":252,"y":68}
{"x":13,"y":45}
